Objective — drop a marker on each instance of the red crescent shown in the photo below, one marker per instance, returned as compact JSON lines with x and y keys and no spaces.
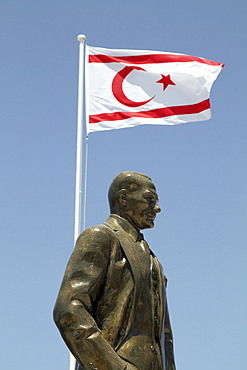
{"x":117,"y":87}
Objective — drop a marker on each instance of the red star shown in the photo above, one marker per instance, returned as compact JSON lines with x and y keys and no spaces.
{"x":165,"y":80}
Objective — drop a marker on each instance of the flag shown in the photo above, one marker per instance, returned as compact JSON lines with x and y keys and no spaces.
{"x":125,"y":88}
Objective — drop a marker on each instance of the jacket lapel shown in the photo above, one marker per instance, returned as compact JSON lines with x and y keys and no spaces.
{"x":129,"y":247}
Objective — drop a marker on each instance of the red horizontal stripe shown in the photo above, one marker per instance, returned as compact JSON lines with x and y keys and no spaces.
{"x":150,"y":59}
{"x":155,"y":113}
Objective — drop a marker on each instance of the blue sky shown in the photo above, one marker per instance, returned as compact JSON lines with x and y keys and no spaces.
{"x":199,"y":170}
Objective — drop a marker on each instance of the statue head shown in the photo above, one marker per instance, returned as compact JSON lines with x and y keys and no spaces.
{"x":133,"y":196}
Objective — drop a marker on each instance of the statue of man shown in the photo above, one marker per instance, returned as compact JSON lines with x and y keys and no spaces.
{"x":111,"y":309}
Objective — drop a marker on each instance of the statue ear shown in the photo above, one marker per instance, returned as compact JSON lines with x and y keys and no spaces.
{"x":122,"y":197}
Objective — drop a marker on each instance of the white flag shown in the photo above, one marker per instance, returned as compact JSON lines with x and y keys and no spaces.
{"x":125,"y":88}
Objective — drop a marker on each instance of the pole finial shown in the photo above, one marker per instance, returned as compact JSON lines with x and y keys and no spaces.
{"x":81,"y":38}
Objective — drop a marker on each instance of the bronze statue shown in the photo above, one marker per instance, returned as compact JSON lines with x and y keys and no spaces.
{"x":111,"y":309}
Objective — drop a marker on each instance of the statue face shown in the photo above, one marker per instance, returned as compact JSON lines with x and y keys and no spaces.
{"x":141,"y":206}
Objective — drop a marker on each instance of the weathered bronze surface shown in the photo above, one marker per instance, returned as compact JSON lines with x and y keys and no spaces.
{"x":111,"y":309}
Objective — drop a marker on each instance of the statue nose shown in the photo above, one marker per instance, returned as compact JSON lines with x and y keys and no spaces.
{"x":157,"y":208}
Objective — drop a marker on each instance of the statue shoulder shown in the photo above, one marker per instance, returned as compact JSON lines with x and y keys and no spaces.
{"x":98,"y":235}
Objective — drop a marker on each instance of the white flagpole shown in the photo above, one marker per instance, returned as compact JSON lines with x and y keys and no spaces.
{"x":78,"y":191}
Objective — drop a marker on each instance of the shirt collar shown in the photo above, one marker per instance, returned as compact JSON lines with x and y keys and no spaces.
{"x":130,"y":229}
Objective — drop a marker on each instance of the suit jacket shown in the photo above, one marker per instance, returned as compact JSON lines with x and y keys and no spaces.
{"x":96,"y":306}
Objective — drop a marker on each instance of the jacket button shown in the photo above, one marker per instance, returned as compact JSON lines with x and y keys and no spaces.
{"x":152,"y":348}
{"x":122,"y":331}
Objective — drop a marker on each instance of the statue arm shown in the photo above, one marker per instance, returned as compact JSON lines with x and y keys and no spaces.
{"x":169,"y":351}
{"x":73,"y":313}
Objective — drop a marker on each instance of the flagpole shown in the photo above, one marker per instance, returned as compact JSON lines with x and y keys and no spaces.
{"x":78,"y":182}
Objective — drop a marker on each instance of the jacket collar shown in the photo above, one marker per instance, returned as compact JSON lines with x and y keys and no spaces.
{"x":117,"y":222}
